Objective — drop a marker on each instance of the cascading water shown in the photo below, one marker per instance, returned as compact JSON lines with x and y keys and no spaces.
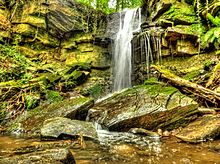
{"x":122,"y":52}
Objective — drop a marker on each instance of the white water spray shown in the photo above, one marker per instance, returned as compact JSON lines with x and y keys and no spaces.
{"x":122,"y":52}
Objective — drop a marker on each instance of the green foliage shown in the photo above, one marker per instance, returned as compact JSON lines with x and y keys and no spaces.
{"x":13,"y":63}
{"x":215,"y":20}
{"x":212,"y":36}
{"x":32,"y":101}
{"x":109,"y":6}
{"x":3,"y":111}
{"x":9,"y":52}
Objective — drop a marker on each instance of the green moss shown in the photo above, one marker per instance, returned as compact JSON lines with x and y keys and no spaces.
{"x":53,"y":96}
{"x":192,"y":75}
{"x":153,"y":89}
{"x":152,"y":80}
{"x":193,"y":29}
{"x":168,"y":90}
{"x":75,"y":75}
{"x":94,"y":91}
{"x":181,"y":12}
{"x":79,"y":66}
{"x":46,"y":110}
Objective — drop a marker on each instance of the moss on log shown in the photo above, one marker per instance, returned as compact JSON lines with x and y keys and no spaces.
{"x":189,"y":87}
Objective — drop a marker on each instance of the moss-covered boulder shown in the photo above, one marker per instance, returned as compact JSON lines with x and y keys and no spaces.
{"x":149,"y":106}
{"x":31,"y":121}
{"x":59,"y":127}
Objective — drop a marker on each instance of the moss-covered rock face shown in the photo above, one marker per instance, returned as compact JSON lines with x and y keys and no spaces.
{"x":181,"y":28}
{"x":180,"y":13}
{"x":54,"y":30}
{"x":150,"y":106}
{"x":53,"y":49}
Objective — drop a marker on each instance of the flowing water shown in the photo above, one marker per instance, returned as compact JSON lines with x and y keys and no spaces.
{"x":151,"y":152}
{"x":122,"y":52}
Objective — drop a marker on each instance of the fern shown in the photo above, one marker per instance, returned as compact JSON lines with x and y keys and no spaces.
{"x":212,"y":36}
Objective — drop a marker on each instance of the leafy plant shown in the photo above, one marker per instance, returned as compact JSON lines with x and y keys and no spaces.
{"x":13,"y":63}
{"x":212,"y":36}
{"x":109,"y":6}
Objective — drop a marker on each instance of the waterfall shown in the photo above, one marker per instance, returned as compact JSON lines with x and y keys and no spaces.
{"x":153,"y":54}
{"x":122,"y":50}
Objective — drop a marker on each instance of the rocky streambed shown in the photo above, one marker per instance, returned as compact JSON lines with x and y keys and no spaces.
{"x":149,"y":123}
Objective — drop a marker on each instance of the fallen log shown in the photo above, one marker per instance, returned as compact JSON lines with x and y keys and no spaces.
{"x":189,"y":87}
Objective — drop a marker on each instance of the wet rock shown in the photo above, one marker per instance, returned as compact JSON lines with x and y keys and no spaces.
{"x":204,"y":128}
{"x":147,"y":106}
{"x":215,"y":147}
{"x":31,"y":121}
{"x":112,"y":25}
{"x":143,"y":132}
{"x":59,"y":127}
{"x":51,"y":156}
{"x":183,"y":39}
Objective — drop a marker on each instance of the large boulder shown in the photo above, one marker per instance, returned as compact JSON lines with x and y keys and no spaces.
{"x":30,"y":122}
{"x":59,"y":127}
{"x":149,"y":106}
{"x":204,"y":128}
{"x":50,"y":156}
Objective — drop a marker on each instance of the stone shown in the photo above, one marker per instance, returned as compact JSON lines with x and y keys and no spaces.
{"x":186,"y":47}
{"x":180,"y":13}
{"x":161,"y":7}
{"x":57,"y":127}
{"x":179,"y":32}
{"x":183,"y":40}
{"x":31,"y":121}
{"x":50,"y":156}
{"x":144,"y":132}
{"x":147,"y":106}
{"x":203,"y":129}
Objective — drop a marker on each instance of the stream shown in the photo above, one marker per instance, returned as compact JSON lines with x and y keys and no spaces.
{"x":112,"y":150}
